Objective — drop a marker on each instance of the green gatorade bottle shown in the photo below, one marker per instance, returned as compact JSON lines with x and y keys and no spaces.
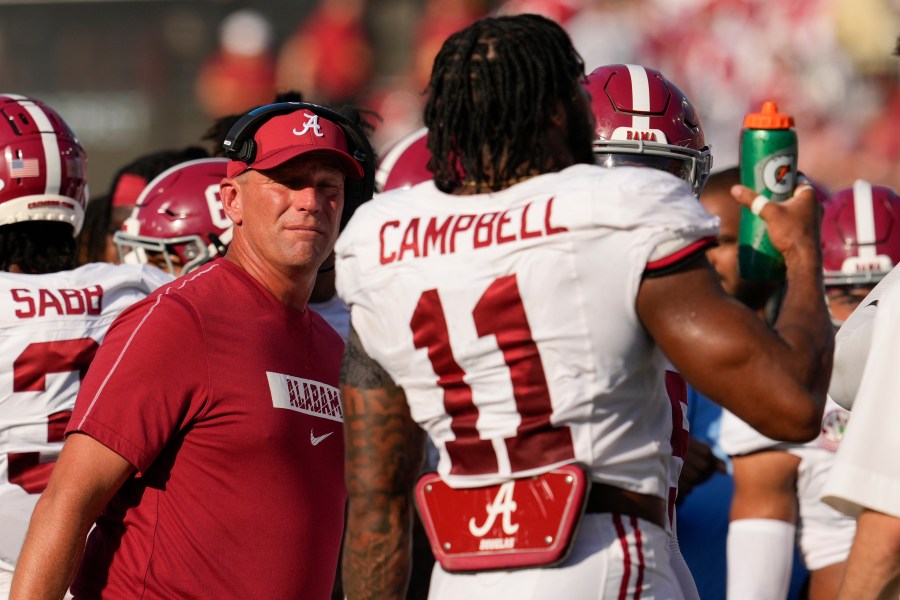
{"x":768,"y":164}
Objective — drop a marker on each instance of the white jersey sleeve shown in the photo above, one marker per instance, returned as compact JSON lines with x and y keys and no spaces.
{"x":852,"y":342}
{"x":509,"y":319}
{"x":50,"y":327}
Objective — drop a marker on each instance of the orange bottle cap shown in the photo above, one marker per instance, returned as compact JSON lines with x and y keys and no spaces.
{"x":769,"y":118}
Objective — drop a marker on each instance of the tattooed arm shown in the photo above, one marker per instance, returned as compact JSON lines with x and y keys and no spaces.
{"x":384,"y":450}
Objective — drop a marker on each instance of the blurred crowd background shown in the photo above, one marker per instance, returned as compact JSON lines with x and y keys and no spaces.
{"x":135,"y":76}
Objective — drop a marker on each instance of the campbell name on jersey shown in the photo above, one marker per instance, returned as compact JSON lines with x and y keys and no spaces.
{"x":509,"y":318}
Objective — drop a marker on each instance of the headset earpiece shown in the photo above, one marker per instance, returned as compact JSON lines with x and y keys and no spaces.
{"x":239,"y":144}
{"x":245,"y":152}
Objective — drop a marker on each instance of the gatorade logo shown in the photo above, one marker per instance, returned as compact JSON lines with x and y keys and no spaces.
{"x":778,"y":174}
{"x":782,"y":172}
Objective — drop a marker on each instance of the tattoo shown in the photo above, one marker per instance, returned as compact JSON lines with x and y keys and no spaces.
{"x":384,"y":453}
{"x":360,"y":370}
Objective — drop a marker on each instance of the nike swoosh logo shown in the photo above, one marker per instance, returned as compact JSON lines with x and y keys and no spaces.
{"x":315,"y":440}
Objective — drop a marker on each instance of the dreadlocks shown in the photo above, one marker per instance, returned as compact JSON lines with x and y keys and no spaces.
{"x":493,"y":88}
{"x":37,"y":247}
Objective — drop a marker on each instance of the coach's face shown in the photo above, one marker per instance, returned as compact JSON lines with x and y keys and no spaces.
{"x":288,"y":216}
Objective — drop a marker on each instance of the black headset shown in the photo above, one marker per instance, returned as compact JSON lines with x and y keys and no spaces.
{"x":239,"y":145}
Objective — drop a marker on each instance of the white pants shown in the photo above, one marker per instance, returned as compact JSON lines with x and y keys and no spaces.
{"x":824,"y":534}
{"x":613,"y":556}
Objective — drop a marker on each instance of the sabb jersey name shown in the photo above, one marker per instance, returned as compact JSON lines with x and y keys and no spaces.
{"x":44,"y":301}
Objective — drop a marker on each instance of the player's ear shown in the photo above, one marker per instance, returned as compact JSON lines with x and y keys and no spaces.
{"x":231,"y":195}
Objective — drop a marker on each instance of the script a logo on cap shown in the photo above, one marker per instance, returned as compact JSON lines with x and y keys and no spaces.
{"x":312,"y":123}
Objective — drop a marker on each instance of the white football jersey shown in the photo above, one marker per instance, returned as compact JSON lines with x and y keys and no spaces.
{"x":50,"y":328}
{"x":509,"y":318}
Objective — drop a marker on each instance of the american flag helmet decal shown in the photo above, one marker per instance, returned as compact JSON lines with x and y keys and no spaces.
{"x":42,"y":166}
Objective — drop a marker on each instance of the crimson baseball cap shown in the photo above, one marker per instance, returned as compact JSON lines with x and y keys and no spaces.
{"x":288,"y":136}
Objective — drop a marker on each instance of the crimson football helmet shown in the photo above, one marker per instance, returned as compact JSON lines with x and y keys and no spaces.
{"x":643,"y":119}
{"x":405,"y":164}
{"x":860,"y":234}
{"x":179,"y":213}
{"x":43,"y":167}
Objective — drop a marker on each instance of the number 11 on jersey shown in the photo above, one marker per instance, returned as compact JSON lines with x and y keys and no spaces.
{"x":499,"y":312}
